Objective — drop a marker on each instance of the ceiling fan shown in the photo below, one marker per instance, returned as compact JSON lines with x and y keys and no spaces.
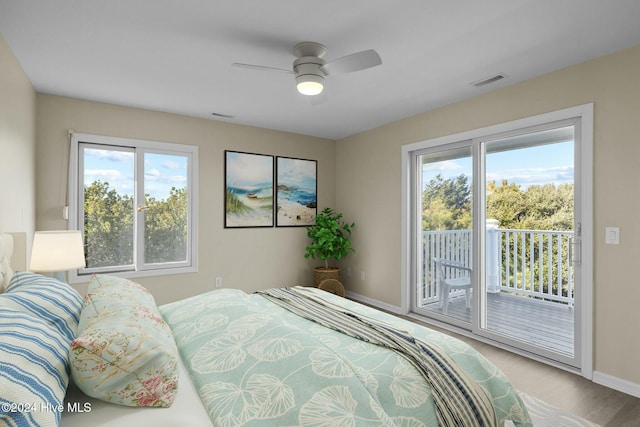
{"x":310,"y":67}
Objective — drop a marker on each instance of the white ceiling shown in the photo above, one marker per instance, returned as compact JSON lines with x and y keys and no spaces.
{"x":176,"y":56}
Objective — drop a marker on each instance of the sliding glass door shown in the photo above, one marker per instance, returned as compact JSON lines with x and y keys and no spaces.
{"x":495,"y":236}
{"x":445,"y":230}
{"x":527,"y":259}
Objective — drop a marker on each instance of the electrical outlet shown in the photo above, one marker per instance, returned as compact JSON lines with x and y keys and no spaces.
{"x":218,"y":282}
{"x":362,"y":275}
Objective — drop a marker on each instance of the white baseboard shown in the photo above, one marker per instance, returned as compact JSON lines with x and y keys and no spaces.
{"x":374,"y":302}
{"x":606,"y":380}
{"x":616,"y":383}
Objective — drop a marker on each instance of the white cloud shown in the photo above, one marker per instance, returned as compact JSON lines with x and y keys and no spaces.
{"x":170,"y":164}
{"x":123,"y":184}
{"x":446,"y":165}
{"x":111,"y":155}
{"x":102,"y":175}
{"x":534,"y":176}
{"x":152,"y":173}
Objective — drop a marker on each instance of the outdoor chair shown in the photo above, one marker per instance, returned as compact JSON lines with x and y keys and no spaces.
{"x":451,"y":276}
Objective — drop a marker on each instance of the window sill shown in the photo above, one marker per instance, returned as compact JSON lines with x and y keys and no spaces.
{"x":74,"y":277}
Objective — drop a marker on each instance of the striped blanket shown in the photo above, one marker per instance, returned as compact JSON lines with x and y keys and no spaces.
{"x":459,"y":400}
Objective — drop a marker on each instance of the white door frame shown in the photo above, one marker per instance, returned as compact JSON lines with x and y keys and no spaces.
{"x":584,"y":197}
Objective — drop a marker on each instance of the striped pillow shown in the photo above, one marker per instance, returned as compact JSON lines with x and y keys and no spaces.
{"x":34,"y":369}
{"x":45,"y":298}
{"x":38,"y":320}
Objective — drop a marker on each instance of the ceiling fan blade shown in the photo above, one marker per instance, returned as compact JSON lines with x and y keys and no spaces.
{"x":323,"y":98}
{"x":261,"y":68}
{"x":354,"y":62}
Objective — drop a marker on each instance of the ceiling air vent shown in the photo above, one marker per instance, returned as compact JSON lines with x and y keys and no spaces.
{"x":488,"y":80}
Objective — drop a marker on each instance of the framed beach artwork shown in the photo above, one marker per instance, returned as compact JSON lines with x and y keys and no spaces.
{"x":248,"y":183}
{"x":296,"y":192}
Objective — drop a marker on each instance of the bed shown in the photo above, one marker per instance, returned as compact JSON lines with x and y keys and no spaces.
{"x":278,"y":357}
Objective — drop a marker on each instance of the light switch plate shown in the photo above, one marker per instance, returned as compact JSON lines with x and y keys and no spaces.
{"x":612,"y":235}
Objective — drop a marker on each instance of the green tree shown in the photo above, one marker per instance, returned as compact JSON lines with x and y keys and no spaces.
{"x":506,"y":203}
{"x":108,"y":226}
{"x":550,"y":207}
{"x":165,"y":225}
{"x":446,"y":204}
{"x":539,"y":207}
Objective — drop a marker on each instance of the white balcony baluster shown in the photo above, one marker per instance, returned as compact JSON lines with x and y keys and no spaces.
{"x":512,"y":258}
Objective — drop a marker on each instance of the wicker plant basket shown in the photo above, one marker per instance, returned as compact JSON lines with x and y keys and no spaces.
{"x":333,"y":286}
{"x":320,"y":274}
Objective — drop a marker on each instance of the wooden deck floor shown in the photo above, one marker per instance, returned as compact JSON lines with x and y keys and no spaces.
{"x":548,"y":325}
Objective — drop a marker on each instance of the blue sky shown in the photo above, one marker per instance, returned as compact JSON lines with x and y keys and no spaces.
{"x":552,"y":163}
{"x":161,"y":171}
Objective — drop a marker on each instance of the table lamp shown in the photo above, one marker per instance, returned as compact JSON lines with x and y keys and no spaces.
{"x":56,"y":252}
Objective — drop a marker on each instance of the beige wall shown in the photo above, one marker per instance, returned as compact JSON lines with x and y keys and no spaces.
{"x":369,"y":188}
{"x":360,"y":175}
{"x":247,"y":259}
{"x":17,"y":146}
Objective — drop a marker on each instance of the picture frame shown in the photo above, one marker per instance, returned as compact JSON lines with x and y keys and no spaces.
{"x":249,"y":190}
{"x":296,"y":192}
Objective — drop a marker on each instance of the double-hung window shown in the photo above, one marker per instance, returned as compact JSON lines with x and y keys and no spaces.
{"x":135,"y":202}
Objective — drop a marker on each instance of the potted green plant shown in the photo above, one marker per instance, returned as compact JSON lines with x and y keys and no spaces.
{"x":329,"y":240}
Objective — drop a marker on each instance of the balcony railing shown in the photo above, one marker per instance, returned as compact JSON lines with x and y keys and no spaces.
{"x":532,"y":263}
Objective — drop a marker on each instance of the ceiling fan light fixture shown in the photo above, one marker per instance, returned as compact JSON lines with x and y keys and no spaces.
{"x":310,"y":68}
{"x":310,"y":84}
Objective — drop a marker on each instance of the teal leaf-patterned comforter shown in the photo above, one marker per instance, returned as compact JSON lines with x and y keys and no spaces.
{"x":257,"y":364}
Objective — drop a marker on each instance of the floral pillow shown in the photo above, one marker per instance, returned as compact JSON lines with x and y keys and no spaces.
{"x":124,"y":352}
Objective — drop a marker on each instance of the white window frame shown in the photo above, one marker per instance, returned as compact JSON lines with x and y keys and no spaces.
{"x":76,"y":190}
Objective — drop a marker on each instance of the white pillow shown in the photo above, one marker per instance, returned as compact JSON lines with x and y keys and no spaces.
{"x":6,"y":250}
{"x":5,"y":273}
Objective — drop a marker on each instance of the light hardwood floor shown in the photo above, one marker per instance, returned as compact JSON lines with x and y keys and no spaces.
{"x":596,"y":403}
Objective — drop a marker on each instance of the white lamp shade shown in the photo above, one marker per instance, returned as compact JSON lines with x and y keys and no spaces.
{"x":56,"y":251}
